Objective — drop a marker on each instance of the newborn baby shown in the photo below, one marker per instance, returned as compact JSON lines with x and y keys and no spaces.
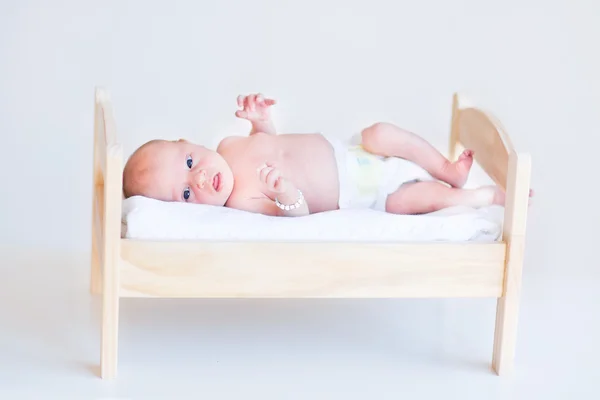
{"x":390,"y":170}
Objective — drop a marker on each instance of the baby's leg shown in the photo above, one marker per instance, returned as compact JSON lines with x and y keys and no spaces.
{"x":426,"y":197}
{"x":391,"y":141}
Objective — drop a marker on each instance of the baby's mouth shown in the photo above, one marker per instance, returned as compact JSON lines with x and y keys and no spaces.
{"x":217,"y":181}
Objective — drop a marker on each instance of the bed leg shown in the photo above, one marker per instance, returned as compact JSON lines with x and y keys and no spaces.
{"x":507,"y":315}
{"x":110,"y":325}
{"x":110,"y":265}
{"x":507,"y":308}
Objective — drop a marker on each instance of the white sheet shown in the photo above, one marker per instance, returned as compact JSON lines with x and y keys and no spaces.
{"x":145,"y":218}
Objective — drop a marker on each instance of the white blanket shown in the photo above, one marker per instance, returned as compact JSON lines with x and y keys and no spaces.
{"x":149,"y":219}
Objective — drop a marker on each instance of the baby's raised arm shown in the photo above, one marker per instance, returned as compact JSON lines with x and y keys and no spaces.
{"x":255,"y":108}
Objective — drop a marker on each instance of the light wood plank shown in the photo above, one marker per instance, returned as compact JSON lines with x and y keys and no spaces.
{"x":217,"y":269}
{"x":110,"y":131}
{"x":482,"y":134}
{"x":454,"y":129}
{"x":111,"y":223}
{"x":97,"y":240}
{"x":99,"y":144}
{"x":507,"y":312}
{"x":105,"y":133}
{"x":98,"y":231}
{"x":97,"y":181}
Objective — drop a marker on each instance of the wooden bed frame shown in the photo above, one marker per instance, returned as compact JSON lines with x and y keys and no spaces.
{"x":137,"y":268}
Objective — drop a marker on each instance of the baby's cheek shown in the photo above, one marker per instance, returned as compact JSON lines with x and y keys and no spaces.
{"x":199,"y":196}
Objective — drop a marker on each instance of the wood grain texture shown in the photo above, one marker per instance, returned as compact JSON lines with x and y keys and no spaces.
{"x":110,"y":202}
{"x":216,"y":269}
{"x":454,"y":129}
{"x":110,"y":129}
{"x":481,"y":133}
{"x":97,"y":240}
{"x":515,"y":222}
{"x":97,"y":191}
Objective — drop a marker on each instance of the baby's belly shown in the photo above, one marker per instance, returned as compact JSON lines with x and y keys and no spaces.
{"x":312,"y":166}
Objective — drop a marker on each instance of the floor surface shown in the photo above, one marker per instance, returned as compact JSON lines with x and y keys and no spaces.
{"x":288,"y":349}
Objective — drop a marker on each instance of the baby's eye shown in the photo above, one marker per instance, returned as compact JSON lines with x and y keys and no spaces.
{"x":189,"y":161}
{"x":186,"y":193}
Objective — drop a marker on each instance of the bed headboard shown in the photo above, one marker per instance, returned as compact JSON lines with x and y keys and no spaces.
{"x":479,"y":131}
{"x":107,"y":182}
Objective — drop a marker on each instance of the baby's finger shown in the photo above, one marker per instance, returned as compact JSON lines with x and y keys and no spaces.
{"x":240,"y":100}
{"x":259,"y":169}
{"x":269,"y":102}
{"x":241,"y":114}
{"x":264,"y":165}
{"x":280,"y":185}
{"x":260,"y":99}
{"x":277,"y":185}
{"x":252,"y":102}
{"x":273,"y":177}
{"x":264,"y":173}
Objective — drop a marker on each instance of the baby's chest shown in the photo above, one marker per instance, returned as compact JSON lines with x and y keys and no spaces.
{"x":245,"y":161}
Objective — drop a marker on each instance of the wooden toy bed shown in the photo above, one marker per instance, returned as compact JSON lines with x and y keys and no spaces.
{"x":138,"y":268}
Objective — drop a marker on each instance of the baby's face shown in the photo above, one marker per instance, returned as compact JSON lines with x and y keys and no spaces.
{"x":189,"y":173}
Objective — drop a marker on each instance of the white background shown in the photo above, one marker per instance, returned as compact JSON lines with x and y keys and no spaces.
{"x":174,"y":70}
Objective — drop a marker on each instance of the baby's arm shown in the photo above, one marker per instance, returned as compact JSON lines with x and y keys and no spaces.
{"x":255,"y":108}
{"x":289,"y":200}
{"x":292,"y":203}
{"x":263,"y":126}
{"x":266,"y":206}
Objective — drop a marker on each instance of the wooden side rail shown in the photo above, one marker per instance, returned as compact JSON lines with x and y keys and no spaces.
{"x":207,"y":269}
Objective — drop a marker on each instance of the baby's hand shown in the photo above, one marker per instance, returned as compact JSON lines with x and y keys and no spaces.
{"x":255,"y":107}
{"x":271,"y":177}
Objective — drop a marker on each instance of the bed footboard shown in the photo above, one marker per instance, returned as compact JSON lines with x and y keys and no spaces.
{"x":478,"y":130}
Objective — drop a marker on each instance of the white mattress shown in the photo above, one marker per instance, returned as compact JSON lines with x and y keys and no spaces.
{"x":149,"y":219}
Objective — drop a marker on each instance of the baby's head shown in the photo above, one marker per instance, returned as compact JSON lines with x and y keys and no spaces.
{"x":178,"y":171}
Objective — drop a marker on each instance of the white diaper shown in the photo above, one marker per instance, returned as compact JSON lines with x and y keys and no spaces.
{"x":366,"y":179}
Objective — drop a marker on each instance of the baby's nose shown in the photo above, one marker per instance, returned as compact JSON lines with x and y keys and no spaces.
{"x":200,"y":179}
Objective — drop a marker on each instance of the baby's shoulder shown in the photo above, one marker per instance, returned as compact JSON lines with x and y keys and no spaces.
{"x":229,"y":143}
{"x":238,"y":143}
{"x":244,"y":146}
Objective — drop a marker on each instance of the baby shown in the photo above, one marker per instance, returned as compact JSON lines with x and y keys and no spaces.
{"x":391,"y":170}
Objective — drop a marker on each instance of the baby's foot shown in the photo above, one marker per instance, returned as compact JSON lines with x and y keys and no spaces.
{"x":457,"y":172}
{"x":500,"y":196}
